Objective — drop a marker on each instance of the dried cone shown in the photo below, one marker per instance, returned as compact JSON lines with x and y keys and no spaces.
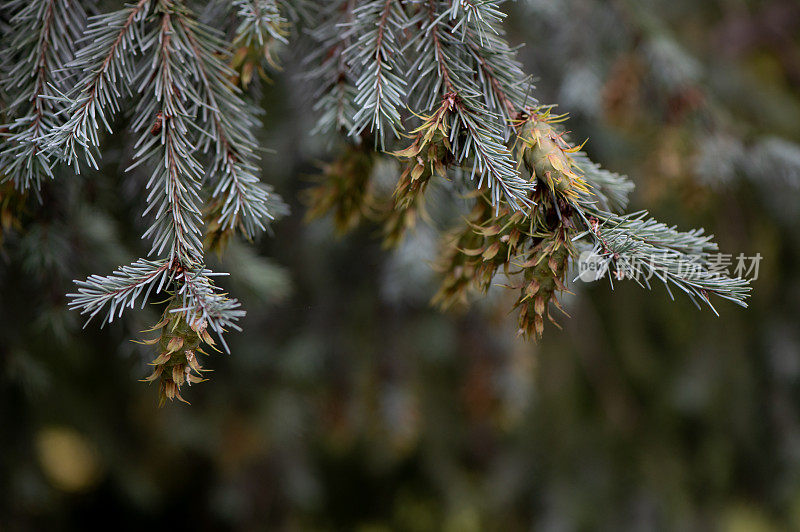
{"x":543,"y":275}
{"x":251,"y":55}
{"x":179,"y":348}
{"x":216,"y":237}
{"x":345,"y":190}
{"x":459,"y":267}
{"x":473,"y":256}
{"x":545,"y":156}
{"x":505,"y":235}
{"x":12,"y":203}
{"x":430,"y":154}
{"x":536,"y":242}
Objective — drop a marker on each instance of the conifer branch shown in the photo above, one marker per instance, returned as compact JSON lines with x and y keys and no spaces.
{"x":500,"y":75}
{"x":120,"y":290}
{"x":244,"y":202}
{"x":163,"y":121}
{"x":259,"y":21}
{"x":38,"y":48}
{"x":376,"y":55}
{"x":336,"y":92}
{"x":183,"y":77}
{"x":470,"y":116}
{"x":205,"y":302}
{"x":636,"y":247}
{"x":107,"y":64}
{"x":199,"y":298}
{"x":445,"y":66}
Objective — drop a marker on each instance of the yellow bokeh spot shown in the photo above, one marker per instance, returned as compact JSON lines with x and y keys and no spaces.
{"x":68,"y":459}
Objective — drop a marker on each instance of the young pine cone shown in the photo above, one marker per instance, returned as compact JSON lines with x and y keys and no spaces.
{"x":459,"y":267}
{"x":344,"y":191}
{"x":430,"y":154}
{"x":543,"y":154}
{"x":543,"y":276}
{"x":179,"y":347}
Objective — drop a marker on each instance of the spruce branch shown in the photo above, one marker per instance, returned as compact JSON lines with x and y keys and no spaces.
{"x":187,"y":106}
{"x":108,"y":64}
{"x":500,"y":76}
{"x":164,"y":121}
{"x":445,"y":66}
{"x":467,"y":87}
{"x":571,"y":195}
{"x":637,"y":247}
{"x":629,"y":245}
{"x":260,"y":21}
{"x":336,"y":92}
{"x":244,"y":202}
{"x":120,"y":290}
{"x":39,"y":46}
{"x":470,"y":116}
{"x":260,"y":29}
{"x":198,"y":298}
{"x":377,"y":56}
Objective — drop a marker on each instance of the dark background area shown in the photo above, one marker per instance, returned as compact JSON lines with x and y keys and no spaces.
{"x":348,"y":403}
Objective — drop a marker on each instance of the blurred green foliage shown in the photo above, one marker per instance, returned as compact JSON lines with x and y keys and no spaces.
{"x":349,"y":404}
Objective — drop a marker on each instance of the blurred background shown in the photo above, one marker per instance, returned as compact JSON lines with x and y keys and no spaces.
{"x":348,"y":403}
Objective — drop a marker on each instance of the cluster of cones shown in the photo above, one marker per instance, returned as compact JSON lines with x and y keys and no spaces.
{"x":532,"y":247}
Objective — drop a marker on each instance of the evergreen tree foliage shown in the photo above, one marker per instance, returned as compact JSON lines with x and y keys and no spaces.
{"x":432,"y":83}
{"x":351,"y":403}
